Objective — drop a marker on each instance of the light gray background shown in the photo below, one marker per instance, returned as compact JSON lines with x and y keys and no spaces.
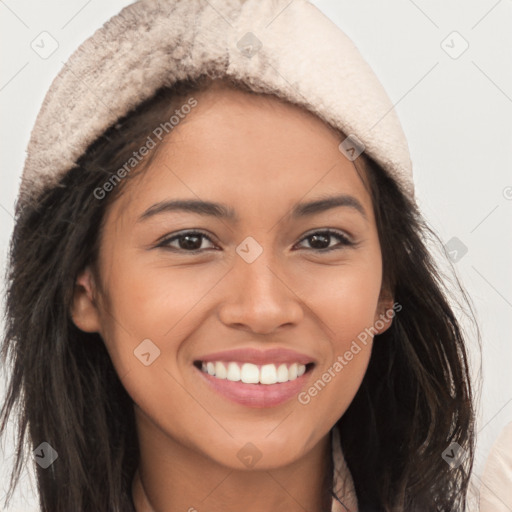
{"x":456,"y":114}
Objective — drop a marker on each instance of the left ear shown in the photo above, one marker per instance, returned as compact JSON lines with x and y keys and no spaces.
{"x":84,"y":308}
{"x":384,"y":313}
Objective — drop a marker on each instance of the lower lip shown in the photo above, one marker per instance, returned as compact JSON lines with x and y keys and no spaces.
{"x":256,"y":395}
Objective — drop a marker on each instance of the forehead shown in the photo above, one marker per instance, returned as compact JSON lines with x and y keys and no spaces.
{"x":249,"y":149}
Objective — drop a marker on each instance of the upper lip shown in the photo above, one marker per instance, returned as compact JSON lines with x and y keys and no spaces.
{"x":259,"y":357}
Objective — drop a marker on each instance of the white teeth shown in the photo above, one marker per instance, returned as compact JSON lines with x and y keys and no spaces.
{"x":282,"y":373}
{"x":233,"y":372}
{"x":220,"y":370}
{"x":252,"y":374}
{"x":268,"y":374}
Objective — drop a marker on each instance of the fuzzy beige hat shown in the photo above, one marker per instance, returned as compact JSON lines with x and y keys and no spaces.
{"x":288,"y":48}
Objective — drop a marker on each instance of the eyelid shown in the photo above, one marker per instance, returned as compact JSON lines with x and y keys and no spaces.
{"x":165,"y":239}
{"x":329,"y":231}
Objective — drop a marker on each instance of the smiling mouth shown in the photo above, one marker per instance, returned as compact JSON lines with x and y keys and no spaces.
{"x":250,"y":373}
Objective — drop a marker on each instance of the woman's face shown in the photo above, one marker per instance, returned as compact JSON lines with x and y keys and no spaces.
{"x":262,"y":279}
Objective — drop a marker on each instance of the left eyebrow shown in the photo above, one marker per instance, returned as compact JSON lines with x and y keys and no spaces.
{"x":222,"y":211}
{"x":327,"y":203}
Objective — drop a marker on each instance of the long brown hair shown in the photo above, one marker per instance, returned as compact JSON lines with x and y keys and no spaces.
{"x":414,"y":401}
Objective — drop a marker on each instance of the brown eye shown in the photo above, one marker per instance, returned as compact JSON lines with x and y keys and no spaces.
{"x":321,"y":240}
{"x":189,"y":241}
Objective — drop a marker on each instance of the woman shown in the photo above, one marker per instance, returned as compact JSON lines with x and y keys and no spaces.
{"x":307,"y":357}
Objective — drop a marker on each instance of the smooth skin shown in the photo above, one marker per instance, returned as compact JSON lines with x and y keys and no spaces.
{"x":260,"y":157}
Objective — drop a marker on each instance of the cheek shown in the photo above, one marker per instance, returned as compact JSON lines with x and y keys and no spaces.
{"x":150,"y":312}
{"x":351,"y":308}
{"x":151,"y":299}
{"x":344,"y":297}
{"x":152,"y":302}
{"x":345,"y":305}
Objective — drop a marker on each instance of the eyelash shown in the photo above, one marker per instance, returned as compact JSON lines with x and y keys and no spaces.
{"x":344,"y":240}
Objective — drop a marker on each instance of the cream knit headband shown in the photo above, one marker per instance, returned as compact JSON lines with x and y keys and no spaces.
{"x":284,"y":47}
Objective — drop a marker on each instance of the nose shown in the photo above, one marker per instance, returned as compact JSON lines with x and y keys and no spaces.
{"x":258,"y":297}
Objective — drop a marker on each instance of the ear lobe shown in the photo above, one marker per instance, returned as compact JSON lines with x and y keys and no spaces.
{"x":384,"y":314}
{"x":84,"y":309}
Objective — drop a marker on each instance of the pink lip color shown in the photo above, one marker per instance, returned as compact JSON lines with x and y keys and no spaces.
{"x":256,"y":395}
{"x":259,"y":357}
